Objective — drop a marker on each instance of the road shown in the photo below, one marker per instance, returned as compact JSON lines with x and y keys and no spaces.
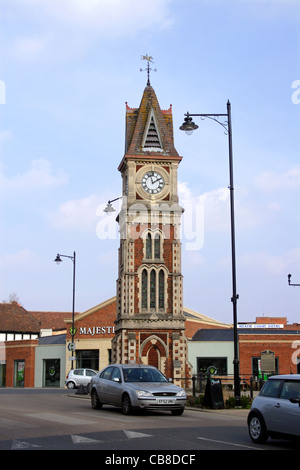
{"x":45,"y":419}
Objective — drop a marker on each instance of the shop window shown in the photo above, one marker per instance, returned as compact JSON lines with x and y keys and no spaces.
{"x":19,"y":373}
{"x":220,"y":363}
{"x":87,"y":358}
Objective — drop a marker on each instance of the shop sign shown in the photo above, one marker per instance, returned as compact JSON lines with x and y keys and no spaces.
{"x":96,"y":330}
{"x":260,"y":325}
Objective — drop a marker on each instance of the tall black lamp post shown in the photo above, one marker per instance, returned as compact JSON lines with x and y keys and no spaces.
{"x":189,"y":126}
{"x":58,"y":260}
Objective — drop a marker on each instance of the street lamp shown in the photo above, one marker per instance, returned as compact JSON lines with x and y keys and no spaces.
{"x":289,"y":281}
{"x":58,"y":260}
{"x":109,"y":208}
{"x":189,"y":126}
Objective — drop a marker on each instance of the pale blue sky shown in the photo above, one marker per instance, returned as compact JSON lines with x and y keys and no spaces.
{"x":69,"y":66}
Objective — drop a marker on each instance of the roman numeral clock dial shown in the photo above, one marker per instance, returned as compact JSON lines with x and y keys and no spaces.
{"x":153,"y":182}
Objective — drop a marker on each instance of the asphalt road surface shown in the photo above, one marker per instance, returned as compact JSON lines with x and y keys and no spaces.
{"x":45,"y":419}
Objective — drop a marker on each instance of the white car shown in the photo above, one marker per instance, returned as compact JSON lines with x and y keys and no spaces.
{"x":78,"y":377}
{"x":275,"y":412}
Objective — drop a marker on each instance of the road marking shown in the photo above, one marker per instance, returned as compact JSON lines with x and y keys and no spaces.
{"x":22,"y":445}
{"x":134,"y":434}
{"x":83,"y":440}
{"x":228,"y":443}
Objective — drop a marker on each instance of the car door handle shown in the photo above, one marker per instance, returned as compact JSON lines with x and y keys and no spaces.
{"x":277,"y":405}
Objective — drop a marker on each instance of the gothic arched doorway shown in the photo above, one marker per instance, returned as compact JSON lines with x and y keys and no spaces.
{"x":153,"y":357}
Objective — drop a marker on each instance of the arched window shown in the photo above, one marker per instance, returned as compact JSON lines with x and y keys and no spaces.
{"x":153,"y":289}
{"x":148,"y":246}
{"x":157,"y":246}
{"x":144,"y":288}
{"x":153,"y":246}
{"x":161,"y":289}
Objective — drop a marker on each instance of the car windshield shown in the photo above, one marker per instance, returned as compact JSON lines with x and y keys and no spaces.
{"x":143,"y":374}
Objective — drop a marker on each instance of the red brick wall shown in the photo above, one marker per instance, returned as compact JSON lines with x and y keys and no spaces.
{"x":105,"y":316}
{"x":20,"y":350}
{"x":252,"y":346}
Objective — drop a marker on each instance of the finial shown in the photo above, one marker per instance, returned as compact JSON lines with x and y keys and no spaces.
{"x":148,"y":69}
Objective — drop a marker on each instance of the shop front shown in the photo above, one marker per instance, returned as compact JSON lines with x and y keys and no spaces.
{"x":93,"y":333}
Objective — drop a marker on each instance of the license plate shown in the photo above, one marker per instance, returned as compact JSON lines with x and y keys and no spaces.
{"x":165,"y":401}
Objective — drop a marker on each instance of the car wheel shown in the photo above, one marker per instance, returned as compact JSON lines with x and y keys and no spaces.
{"x":96,"y":403}
{"x":70,"y":385}
{"x":126,"y":405}
{"x":177,"y":412}
{"x":257,"y":429}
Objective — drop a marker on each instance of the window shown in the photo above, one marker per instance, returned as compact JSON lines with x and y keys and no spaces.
{"x":116,"y":374}
{"x":161,"y":289}
{"x":157,"y":246}
{"x":153,"y":246}
{"x":87,"y":358}
{"x":144,"y":288}
{"x":290,"y":389}
{"x":153,"y":288}
{"x":106,"y":374}
{"x":220,"y":363}
{"x":271,"y":388}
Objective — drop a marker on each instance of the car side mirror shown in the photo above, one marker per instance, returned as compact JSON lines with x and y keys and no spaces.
{"x":116,"y":379}
{"x":295,"y":400}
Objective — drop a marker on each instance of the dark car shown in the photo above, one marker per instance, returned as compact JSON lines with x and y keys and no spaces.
{"x":275,"y":412}
{"x":136,"y":387}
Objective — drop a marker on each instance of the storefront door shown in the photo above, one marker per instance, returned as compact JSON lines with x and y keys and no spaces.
{"x":51,"y":373}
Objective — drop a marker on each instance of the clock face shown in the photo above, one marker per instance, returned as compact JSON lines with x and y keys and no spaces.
{"x":153,"y":182}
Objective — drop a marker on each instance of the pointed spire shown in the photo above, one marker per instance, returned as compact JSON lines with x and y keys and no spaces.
{"x":148,"y":128}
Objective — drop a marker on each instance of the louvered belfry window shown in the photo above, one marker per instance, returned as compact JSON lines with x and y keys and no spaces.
{"x":152,"y":139}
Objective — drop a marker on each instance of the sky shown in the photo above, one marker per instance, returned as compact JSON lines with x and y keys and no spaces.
{"x":67,"y":69}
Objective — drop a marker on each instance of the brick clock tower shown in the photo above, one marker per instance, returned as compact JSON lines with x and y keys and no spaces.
{"x":150,"y":325}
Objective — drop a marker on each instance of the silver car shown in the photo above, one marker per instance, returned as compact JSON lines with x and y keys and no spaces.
{"x":275,"y":412}
{"x":78,"y":377}
{"x":136,"y":387}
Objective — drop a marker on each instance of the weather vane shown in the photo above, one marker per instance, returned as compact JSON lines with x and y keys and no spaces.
{"x":149,"y":59}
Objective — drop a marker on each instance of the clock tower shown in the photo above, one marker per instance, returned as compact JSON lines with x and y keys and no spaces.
{"x":150,"y":325}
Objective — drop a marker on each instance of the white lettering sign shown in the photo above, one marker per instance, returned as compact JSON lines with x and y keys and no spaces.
{"x":96,"y":330}
{"x":258,"y":325}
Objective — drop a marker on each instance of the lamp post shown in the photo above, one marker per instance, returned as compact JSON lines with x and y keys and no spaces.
{"x":189,"y":126}
{"x":58,"y":260}
{"x":109,"y":208}
{"x":289,"y":281}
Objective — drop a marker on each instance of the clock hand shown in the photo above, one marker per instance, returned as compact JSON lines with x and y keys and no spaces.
{"x":158,"y":179}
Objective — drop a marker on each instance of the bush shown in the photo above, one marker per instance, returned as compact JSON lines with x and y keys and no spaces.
{"x":245,"y":402}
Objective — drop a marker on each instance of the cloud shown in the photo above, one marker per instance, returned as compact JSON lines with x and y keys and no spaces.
{"x":77,"y":214}
{"x":269,"y":181}
{"x":214,"y":205}
{"x":64,"y":28}
{"x":22,"y":259}
{"x":39,"y":175}
{"x":264,"y":262}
